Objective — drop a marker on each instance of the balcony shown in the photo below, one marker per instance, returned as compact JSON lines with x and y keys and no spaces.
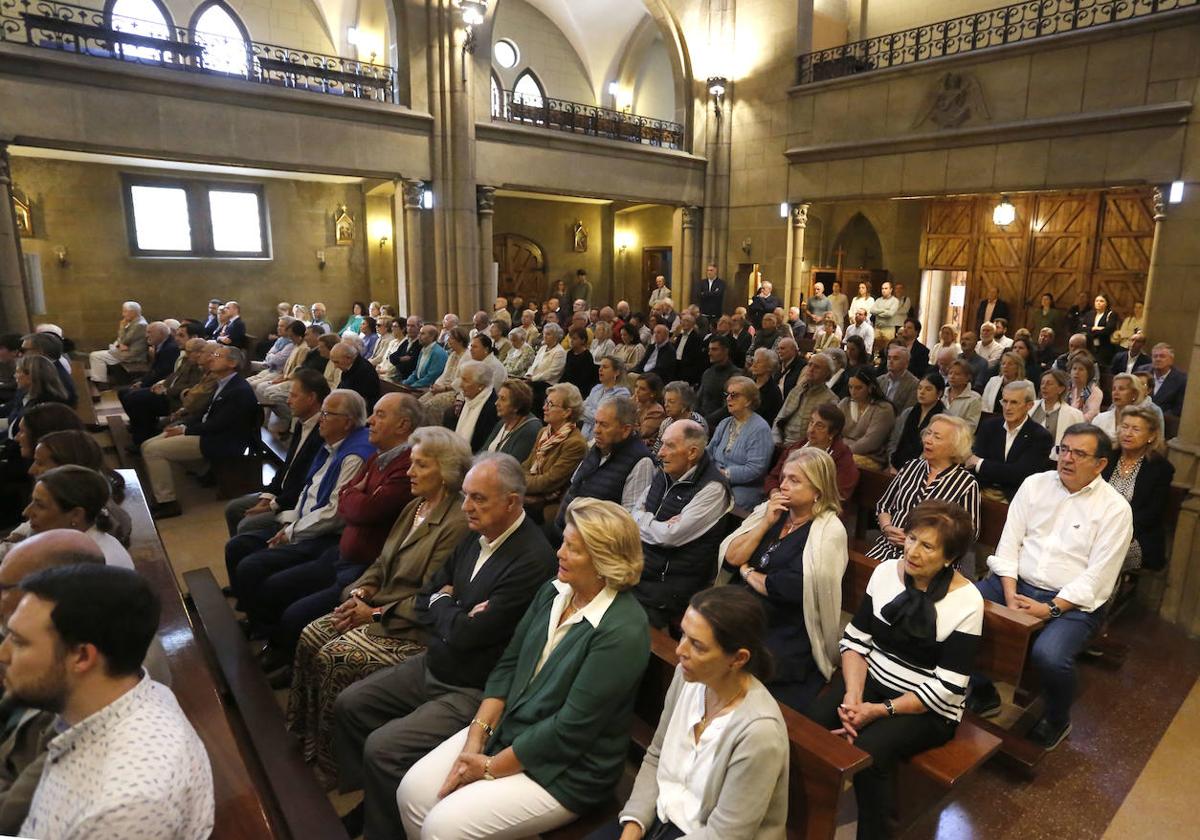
{"x":72,"y":29}
{"x":982,"y":30}
{"x":589,"y":120}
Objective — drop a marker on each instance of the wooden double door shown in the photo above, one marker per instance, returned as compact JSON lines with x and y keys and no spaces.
{"x":1061,"y":243}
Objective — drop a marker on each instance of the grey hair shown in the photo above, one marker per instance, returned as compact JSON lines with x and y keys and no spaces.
{"x":693,"y":433}
{"x":687,"y":394}
{"x":771,"y":356}
{"x":508,"y":470}
{"x":553,"y":329}
{"x":901,"y":348}
{"x":477,"y":372}
{"x":625,"y":409}
{"x":838,"y":355}
{"x":618,"y":364}
{"x":235,"y":354}
{"x":449,"y":450}
{"x":572,"y":399}
{"x":962,"y":435}
{"x":350,"y":347}
{"x":409,"y":408}
{"x":158,"y":325}
{"x":355,"y":405}
{"x":132,"y":304}
{"x":517,"y":331}
{"x":1023,"y":387}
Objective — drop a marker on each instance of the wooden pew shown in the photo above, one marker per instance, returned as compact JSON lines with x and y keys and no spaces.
{"x":820,"y":763}
{"x":84,"y":390}
{"x":241,"y":813}
{"x":288,"y":782}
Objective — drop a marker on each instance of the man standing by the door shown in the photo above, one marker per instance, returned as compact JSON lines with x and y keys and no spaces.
{"x":710,"y":294}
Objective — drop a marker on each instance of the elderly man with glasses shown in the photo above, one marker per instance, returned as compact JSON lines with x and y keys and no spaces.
{"x":1060,"y":556}
{"x":223,"y":430}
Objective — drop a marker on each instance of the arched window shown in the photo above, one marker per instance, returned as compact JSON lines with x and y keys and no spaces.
{"x":225,"y":40}
{"x":497,"y":96}
{"x":141,"y":17}
{"x":528,"y":91}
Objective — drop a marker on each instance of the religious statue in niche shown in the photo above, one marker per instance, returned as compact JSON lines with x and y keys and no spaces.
{"x":23,"y":213}
{"x":955,"y":100}
{"x":581,"y":237}
{"x":343,"y":224}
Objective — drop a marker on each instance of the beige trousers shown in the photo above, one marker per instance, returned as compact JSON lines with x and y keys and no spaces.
{"x":159,"y":452}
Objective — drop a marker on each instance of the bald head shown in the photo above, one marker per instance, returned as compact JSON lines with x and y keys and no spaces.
{"x":59,"y":547}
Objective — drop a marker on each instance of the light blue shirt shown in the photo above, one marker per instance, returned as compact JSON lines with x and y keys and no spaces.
{"x":598,"y":395}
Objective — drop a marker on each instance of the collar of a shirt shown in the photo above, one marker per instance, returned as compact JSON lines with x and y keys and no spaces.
{"x":386,"y":458}
{"x":95,"y":725}
{"x":492,"y":547}
{"x":595,"y":609}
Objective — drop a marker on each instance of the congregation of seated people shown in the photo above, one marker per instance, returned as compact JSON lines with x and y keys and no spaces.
{"x":455,"y":571}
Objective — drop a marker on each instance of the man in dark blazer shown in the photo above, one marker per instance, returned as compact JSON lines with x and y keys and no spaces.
{"x":256,"y":511}
{"x":1012,"y":446}
{"x":918,"y":353}
{"x":471,"y":606}
{"x":223,"y":430}
{"x":990,"y":308}
{"x":764,"y":301}
{"x":742,"y":339}
{"x":710,"y":294}
{"x":234,"y":331}
{"x":690,"y":351}
{"x":1168,"y":383}
{"x":791,"y":363}
{"x":404,"y":357}
{"x":212,"y":323}
{"x":357,"y":373}
{"x":1128,"y":361}
{"x":660,"y":356}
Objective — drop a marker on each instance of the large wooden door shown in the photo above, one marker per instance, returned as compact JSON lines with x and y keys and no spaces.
{"x":1061,"y":248}
{"x":522,"y":266}
{"x":1001,"y":262}
{"x":656,"y":261}
{"x":1123,"y":255}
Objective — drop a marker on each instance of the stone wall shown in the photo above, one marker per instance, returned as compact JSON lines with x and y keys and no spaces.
{"x":545,"y":50}
{"x":549,"y":223}
{"x":648,"y":227}
{"x":80,"y":207}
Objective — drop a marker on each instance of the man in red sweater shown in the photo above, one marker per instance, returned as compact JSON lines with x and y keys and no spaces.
{"x":368,"y":506}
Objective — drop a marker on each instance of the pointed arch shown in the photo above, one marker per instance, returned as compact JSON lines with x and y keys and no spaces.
{"x":141,"y":17}
{"x":530,"y":89}
{"x":226,"y":41}
{"x":497,"y":90}
{"x":859,"y":242}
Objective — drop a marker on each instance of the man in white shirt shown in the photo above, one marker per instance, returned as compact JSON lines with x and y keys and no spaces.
{"x":988,"y":347}
{"x":861,"y":328}
{"x":679,"y":516}
{"x":1063,"y":546}
{"x":1002,"y":337}
{"x":126,"y":761}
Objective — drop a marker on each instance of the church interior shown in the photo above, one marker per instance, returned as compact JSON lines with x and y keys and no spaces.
{"x":432,"y":156}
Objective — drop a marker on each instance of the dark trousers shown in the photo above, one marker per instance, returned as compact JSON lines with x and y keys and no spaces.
{"x":144,"y":407}
{"x":656,"y":831}
{"x":798,"y":694}
{"x":887,"y":740}
{"x":1054,"y":650}
{"x":270,"y":580}
{"x":384,"y":724}
{"x":325,"y":577}
{"x":238,"y":548}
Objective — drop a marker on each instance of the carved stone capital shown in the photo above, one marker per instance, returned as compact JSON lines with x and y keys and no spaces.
{"x":412,"y":193}
{"x":5,"y":174}
{"x":800,"y":215}
{"x":485,"y":200}
{"x":1160,"y":205}
{"x":691,"y":216}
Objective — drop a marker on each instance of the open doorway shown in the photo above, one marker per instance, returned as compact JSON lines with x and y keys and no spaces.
{"x":656,"y":261}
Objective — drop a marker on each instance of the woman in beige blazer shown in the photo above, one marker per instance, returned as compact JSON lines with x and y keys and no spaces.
{"x":869,"y":421}
{"x":556,"y":453}
{"x":376,"y":627}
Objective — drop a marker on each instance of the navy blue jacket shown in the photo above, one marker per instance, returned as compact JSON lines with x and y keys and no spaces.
{"x":232,"y":421}
{"x":163,"y":364}
{"x":235,"y":331}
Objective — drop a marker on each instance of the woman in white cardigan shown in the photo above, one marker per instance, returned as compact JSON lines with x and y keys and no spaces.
{"x":1052,"y":411}
{"x":1012,"y":369}
{"x":792,"y":551}
{"x":717,"y":768}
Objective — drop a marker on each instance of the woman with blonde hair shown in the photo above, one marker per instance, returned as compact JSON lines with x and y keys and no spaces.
{"x":557,"y":451}
{"x":828,"y":334}
{"x":550,"y":738}
{"x":1012,"y":369}
{"x":791,"y":551}
{"x":947,"y":339}
{"x":375,"y":626}
{"x":938,"y":474}
{"x":1140,"y":472}
{"x":1127,"y":389}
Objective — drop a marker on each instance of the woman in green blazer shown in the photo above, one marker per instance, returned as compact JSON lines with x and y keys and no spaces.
{"x":550,"y":738}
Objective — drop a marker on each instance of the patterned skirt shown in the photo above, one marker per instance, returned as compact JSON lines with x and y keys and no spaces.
{"x":325,"y":664}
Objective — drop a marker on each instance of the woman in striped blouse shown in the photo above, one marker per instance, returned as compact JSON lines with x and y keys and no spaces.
{"x":938,"y":474}
{"x":906,"y":656}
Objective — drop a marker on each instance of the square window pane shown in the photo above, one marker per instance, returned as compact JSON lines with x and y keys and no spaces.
{"x":160,"y":219}
{"x":236,"y":223}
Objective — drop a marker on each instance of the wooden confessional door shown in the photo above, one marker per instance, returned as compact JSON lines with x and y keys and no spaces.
{"x":656,"y":261}
{"x":522,"y":266}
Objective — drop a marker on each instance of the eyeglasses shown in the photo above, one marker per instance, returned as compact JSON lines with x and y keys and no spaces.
{"x":731,"y":395}
{"x":1076,"y":454}
{"x":324,"y":414}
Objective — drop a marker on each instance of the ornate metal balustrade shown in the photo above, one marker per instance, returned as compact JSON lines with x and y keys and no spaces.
{"x":592,"y":120}
{"x":991,"y":28}
{"x":77,"y":29}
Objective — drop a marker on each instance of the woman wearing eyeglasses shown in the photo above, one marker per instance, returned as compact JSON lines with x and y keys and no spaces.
{"x":741,"y":446}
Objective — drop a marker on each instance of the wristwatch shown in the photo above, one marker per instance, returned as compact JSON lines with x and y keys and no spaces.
{"x":377,"y":615}
{"x":891,"y":710}
{"x":1055,"y":611}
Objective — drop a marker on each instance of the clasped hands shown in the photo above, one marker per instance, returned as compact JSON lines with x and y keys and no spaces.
{"x":353,"y":612}
{"x":856,"y":715}
{"x":467,"y":768}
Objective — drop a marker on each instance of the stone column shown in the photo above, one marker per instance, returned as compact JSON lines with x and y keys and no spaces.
{"x":1153,"y":319}
{"x":422,"y":294}
{"x":13,"y":305}
{"x":485,"y":199}
{"x":689,"y":268}
{"x":1171,"y":303}
{"x":935,"y":296}
{"x":799,"y":226}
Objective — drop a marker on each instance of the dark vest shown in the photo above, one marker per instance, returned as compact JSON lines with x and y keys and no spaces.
{"x":696,"y":560}
{"x":603,"y":481}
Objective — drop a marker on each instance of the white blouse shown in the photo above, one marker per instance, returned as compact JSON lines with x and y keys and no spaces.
{"x":684,"y":765}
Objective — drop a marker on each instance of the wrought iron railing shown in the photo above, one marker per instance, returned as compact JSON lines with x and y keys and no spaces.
{"x":77,"y":29}
{"x":592,"y":120}
{"x":991,"y":28}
